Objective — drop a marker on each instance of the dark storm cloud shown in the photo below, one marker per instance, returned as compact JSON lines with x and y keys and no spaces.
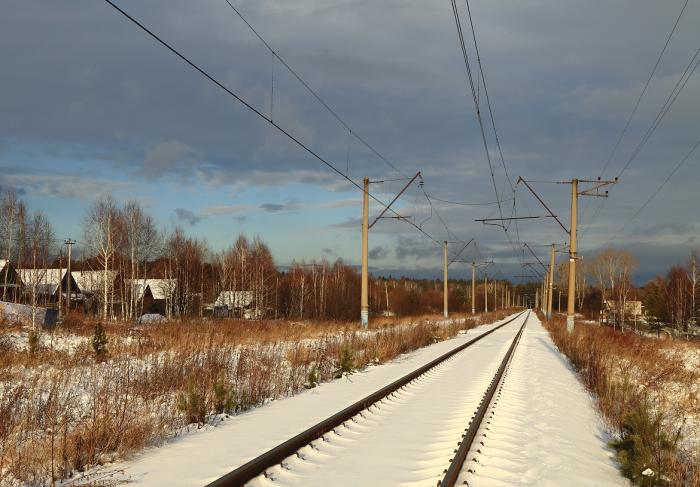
{"x":86,"y":84}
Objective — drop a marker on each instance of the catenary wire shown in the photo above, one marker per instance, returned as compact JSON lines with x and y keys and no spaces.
{"x":258,"y":113}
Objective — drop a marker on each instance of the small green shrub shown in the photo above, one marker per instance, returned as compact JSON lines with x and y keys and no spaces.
{"x":346,"y":362}
{"x":99,"y":341}
{"x":224,"y":396}
{"x":312,"y":378}
{"x":644,"y":445}
{"x":192,"y":403}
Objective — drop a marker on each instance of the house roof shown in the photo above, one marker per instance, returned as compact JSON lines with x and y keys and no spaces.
{"x":235,"y":299}
{"x":93,"y":281}
{"x":46,"y":280}
{"x":160,"y":288}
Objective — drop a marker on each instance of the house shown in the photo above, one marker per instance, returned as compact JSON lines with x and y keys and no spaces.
{"x":236,"y":303}
{"x":632,"y":307}
{"x":153,"y":295}
{"x":92,"y":287}
{"x":10,"y":282}
{"x":47,"y":283}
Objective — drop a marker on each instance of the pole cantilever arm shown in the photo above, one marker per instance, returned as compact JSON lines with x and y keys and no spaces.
{"x":386,"y":208}
{"x":520,"y":179}
{"x":460,"y":252}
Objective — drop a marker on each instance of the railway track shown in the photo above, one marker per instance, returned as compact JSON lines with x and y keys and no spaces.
{"x":422,"y":404}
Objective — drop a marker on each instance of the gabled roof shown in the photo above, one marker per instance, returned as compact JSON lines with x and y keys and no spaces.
{"x":160,"y":288}
{"x":46,"y":280}
{"x":234,"y":299}
{"x":93,"y":281}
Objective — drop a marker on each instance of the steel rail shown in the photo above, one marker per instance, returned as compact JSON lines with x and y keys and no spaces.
{"x":457,"y":463}
{"x":275,"y":456}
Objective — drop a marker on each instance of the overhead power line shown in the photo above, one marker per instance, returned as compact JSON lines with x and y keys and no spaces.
{"x":250,"y":107}
{"x":475,"y":98}
{"x":650,"y":130}
{"x":657,"y":191}
{"x":460,"y":203}
{"x":313,"y":92}
{"x":644,"y":90}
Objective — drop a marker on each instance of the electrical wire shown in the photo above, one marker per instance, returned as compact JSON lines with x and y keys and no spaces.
{"x":313,"y":92}
{"x":259,"y":113}
{"x":657,"y":191}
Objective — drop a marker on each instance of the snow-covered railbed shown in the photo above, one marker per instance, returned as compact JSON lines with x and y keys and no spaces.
{"x":543,"y":428}
{"x":201,"y":456}
{"x":407,"y":438}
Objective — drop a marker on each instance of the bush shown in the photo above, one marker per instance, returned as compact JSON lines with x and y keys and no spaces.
{"x":192,"y":403}
{"x":644,"y":450}
{"x":224,"y":396}
{"x":346,"y":362}
{"x":312,"y":378}
{"x":99,"y":341}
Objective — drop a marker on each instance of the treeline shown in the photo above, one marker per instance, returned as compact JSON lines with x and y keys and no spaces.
{"x":124,"y":240}
{"x":605,"y":287}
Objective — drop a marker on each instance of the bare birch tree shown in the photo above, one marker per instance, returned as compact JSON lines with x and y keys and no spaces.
{"x":102,"y":235}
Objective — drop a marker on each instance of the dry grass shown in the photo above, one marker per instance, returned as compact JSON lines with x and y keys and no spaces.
{"x":65,"y":410}
{"x":629,"y":373}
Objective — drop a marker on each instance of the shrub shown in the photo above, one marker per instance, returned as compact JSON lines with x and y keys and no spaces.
{"x":99,"y":341}
{"x":312,"y":378}
{"x":224,"y":396}
{"x":644,"y":450}
{"x":192,"y":403}
{"x":346,"y":362}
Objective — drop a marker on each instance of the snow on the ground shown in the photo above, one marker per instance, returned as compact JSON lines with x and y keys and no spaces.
{"x":407,"y":439}
{"x":545,"y":430}
{"x":203,"y":456}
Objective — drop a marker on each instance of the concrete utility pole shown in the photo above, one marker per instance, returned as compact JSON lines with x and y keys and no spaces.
{"x":486,"y":293}
{"x":364,"y":300}
{"x":444,"y":278}
{"x":364,"y":297}
{"x":550,"y":291}
{"x":69,"y":243}
{"x":571,"y":292}
{"x":495,"y":295}
{"x":473,"y":288}
{"x":591,"y":191}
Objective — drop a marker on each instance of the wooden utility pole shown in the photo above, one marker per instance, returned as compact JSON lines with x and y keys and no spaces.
{"x":550,"y":290}
{"x":69,"y":243}
{"x":444,"y":278}
{"x":364,"y":299}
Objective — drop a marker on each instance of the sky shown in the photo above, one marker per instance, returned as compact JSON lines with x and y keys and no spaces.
{"x":91,"y":105}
